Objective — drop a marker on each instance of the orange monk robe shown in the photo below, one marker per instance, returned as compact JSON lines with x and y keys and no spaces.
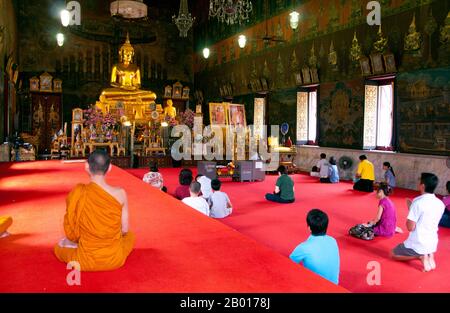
{"x":93,"y":221}
{"x":5,"y":223}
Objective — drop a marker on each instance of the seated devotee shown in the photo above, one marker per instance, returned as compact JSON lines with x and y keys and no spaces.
{"x":284,"y":188}
{"x":389,"y":175}
{"x":384,"y":223}
{"x":205,"y":182}
{"x":445,"y":219}
{"x":320,"y":252}
{"x":365,"y":175}
{"x":333,"y":172}
{"x":323,"y":165}
{"x":220,"y":202}
{"x":96,"y":221}
{"x":154,"y":177}
{"x":195,"y":201}
{"x":422,"y":222}
{"x":185,"y":178}
{"x":315,"y":171}
{"x":5,"y":223}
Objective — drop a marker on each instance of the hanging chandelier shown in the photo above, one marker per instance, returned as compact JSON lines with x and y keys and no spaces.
{"x":128,"y":9}
{"x":184,"y":20}
{"x":231,"y":11}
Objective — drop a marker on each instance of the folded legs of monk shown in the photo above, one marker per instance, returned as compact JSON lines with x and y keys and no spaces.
{"x":5,"y":223}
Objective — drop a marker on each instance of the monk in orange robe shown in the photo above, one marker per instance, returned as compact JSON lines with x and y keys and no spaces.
{"x":5,"y":223}
{"x":96,"y":221}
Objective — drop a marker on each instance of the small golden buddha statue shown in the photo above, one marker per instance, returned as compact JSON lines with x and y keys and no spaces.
{"x":170,"y":110}
{"x":413,"y":40}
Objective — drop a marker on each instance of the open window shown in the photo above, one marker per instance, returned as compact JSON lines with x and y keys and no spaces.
{"x":379,"y":114}
{"x":307,"y":100}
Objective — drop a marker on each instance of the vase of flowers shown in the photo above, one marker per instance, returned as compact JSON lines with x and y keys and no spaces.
{"x":100,"y":123}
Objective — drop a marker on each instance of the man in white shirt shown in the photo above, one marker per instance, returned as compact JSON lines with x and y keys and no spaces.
{"x":423,"y":219}
{"x":196,"y":202}
{"x":205,"y":182}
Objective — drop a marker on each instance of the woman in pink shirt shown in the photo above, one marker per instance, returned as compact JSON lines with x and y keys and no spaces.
{"x":384,"y":224}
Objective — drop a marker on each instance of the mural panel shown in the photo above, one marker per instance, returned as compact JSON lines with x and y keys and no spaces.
{"x":341,"y":114}
{"x":424,"y":111}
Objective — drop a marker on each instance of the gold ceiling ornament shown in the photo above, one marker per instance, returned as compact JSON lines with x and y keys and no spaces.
{"x":294,"y":62}
{"x":332,"y":56}
{"x":355,"y":50}
{"x":381,"y":44}
{"x":445,"y":31}
{"x":413,"y":40}
{"x":313,"y":58}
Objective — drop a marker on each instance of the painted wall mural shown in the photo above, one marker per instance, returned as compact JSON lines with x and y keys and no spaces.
{"x":341,"y":113}
{"x":424,"y":111}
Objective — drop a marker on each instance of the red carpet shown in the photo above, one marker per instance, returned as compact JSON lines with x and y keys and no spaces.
{"x":282,"y":227}
{"x":177,"y":249}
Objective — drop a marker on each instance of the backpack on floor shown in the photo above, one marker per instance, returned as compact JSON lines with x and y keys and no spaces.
{"x":362,"y":232}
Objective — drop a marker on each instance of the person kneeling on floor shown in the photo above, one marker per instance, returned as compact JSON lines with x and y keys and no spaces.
{"x":365,"y":175}
{"x":422,"y":222}
{"x":284,"y":188}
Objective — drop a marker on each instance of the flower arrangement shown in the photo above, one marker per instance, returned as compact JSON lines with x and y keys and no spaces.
{"x":187,"y":118}
{"x":95,"y":117}
{"x":171,"y":121}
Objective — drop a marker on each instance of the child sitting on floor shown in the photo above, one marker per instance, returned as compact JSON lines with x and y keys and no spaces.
{"x":220,"y":203}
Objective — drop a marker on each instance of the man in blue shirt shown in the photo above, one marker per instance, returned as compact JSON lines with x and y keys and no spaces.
{"x":320,"y":253}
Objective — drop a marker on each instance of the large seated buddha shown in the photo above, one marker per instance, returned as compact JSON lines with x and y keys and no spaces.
{"x":126,"y":83}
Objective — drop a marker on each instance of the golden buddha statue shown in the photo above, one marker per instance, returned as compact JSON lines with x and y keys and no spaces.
{"x":413,"y":40}
{"x":170,"y":110}
{"x":126,"y":83}
{"x":126,"y":75}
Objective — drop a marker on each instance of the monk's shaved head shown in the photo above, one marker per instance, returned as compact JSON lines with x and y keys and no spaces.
{"x":99,"y":162}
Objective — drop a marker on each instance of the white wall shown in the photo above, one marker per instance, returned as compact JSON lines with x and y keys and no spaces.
{"x":407,"y":167}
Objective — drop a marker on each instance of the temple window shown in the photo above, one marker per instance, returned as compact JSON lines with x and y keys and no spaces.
{"x":379,"y":115}
{"x":307,"y":116}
